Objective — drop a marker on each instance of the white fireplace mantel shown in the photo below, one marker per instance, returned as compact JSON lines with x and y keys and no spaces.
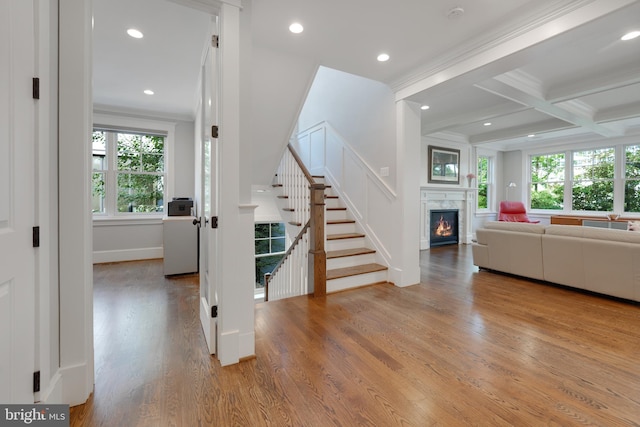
{"x":447,"y":198}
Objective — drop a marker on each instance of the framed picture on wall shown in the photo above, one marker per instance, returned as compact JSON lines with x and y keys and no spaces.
{"x":444,"y":165}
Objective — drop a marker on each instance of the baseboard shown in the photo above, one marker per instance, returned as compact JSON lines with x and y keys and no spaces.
{"x":77,"y":384}
{"x":53,"y":393}
{"x":127,"y":255}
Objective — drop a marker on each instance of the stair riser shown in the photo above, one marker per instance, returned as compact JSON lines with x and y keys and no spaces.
{"x":356,"y":281}
{"x":340,"y":228}
{"x":337,"y":245}
{"x":333,"y":215}
{"x":332,"y":203}
{"x":350,"y":261}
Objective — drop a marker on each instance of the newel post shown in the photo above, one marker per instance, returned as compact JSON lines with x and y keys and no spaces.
{"x":317,"y":254}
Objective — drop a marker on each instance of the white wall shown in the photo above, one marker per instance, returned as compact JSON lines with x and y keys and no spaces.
{"x":362,"y":111}
{"x":279,"y":84}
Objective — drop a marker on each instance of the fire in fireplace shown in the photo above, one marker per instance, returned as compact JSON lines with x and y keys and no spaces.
{"x":444,"y":227}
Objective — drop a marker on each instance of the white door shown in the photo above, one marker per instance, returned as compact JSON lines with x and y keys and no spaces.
{"x":17,"y":195}
{"x":208,"y":206}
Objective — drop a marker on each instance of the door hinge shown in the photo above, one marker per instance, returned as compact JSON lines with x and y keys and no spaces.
{"x":214,"y":222}
{"x":36,"y":88}
{"x":214,"y":131}
{"x":36,"y":381}
{"x":36,"y":237}
{"x":214,"y":311}
{"x":215,"y":40}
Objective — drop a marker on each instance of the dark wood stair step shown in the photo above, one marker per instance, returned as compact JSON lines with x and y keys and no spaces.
{"x":349,"y":252}
{"x":283,"y":197}
{"x":344,"y":236}
{"x":276,"y":185}
{"x":330,"y":197}
{"x":341,"y":221}
{"x":297,"y":224}
{"x":337,"y":209}
{"x":288,"y":209}
{"x":354,"y":271}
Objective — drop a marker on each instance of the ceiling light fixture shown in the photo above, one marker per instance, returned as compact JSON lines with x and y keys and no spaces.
{"x":488,"y":124}
{"x":135,"y":33}
{"x":383,"y":57}
{"x":148,"y":92}
{"x":455,"y":12}
{"x":296,"y":28}
{"x":424,"y":107}
{"x":630,"y":36}
{"x":531,"y":135}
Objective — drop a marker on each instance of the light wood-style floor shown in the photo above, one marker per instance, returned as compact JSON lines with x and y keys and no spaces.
{"x":463,"y":348}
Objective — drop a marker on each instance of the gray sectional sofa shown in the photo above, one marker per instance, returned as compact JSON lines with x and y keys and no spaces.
{"x":601,"y":260}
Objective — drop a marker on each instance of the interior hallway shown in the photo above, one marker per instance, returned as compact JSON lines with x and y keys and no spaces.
{"x":462,"y":348}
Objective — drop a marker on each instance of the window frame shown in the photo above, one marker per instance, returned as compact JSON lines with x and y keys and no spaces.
{"x":260,"y":289}
{"x":490,"y":183}
{"x":619,"y":175}
{"x":113,"y":123}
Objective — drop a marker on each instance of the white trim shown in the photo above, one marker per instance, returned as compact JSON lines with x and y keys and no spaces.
{"x":127,"y":220}
{"x":127,"y":255}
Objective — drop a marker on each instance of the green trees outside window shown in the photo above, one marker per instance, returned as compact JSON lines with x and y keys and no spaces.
{"x":592,"y":178}
{"x":128,"y":172}
{"x":592,"y":188}
{"x":547,"y":181}
{"x":483,"y":179}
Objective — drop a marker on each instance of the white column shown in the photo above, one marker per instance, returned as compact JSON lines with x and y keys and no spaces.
{"x":75,"y":123}
{"x":405,"y":258}
{"x":236,"y":306}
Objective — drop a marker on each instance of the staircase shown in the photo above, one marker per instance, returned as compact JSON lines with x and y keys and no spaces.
{"x":329,"y":252}
{"x":350,"y":263}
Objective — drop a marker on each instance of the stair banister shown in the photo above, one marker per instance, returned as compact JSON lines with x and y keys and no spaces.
{"x":306,"y":254}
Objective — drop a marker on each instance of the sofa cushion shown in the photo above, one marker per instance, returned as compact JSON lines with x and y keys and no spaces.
{"x":521,"y":227}
{"x":593,"y":233}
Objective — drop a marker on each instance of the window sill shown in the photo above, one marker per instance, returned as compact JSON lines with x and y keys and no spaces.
{"x":110,"y":221}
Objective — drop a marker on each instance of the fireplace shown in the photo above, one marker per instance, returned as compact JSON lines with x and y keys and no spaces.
{"x":443,"y":227}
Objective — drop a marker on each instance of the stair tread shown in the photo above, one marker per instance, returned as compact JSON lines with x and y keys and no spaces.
{"x":341,"y":221}
{"x":283,"y":197}
{"x":276,"y":185}
{"x":297,"y":224}
{"x":337,"y":209}
{"x":349,"y":252}
{"x":344,"y":236}
{"x":330,"y":197}
{"x":355,"y":270}
{"x":288,"y":209}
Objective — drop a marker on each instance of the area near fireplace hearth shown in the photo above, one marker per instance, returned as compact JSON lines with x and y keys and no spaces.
{"x":435,"y":204}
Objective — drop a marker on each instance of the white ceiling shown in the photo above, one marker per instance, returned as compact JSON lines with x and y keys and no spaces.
{"x":584,"y":82}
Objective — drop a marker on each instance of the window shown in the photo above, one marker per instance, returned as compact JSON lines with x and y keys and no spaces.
{"x":128,"y":172}
{"x":484,"y":180}
{"x":547,"y":181}
{"x":632,"y":178}
{"x":592,"y":186}
{"x":269,"y":248}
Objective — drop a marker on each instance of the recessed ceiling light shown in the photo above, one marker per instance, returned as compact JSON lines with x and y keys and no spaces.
{"x":424,"y":107}
{"x":296,"y":28}
{"x":531,"y":135}
{"x":135,"y":33}
{"x":487,"y":124}
{"x":630,"y":36}
{"x":383,"y":57}
{"x":148,"y":92}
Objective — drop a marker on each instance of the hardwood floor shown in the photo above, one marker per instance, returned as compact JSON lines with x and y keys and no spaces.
{"x":463,"y":348}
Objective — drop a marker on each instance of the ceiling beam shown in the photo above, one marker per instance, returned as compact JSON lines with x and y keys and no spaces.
{"x":514,"y":94}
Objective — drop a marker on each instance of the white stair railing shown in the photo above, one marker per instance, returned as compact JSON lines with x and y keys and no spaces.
{"x":302,"y":269}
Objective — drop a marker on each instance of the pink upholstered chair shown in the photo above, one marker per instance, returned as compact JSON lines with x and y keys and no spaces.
{"x":513,"y":212}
